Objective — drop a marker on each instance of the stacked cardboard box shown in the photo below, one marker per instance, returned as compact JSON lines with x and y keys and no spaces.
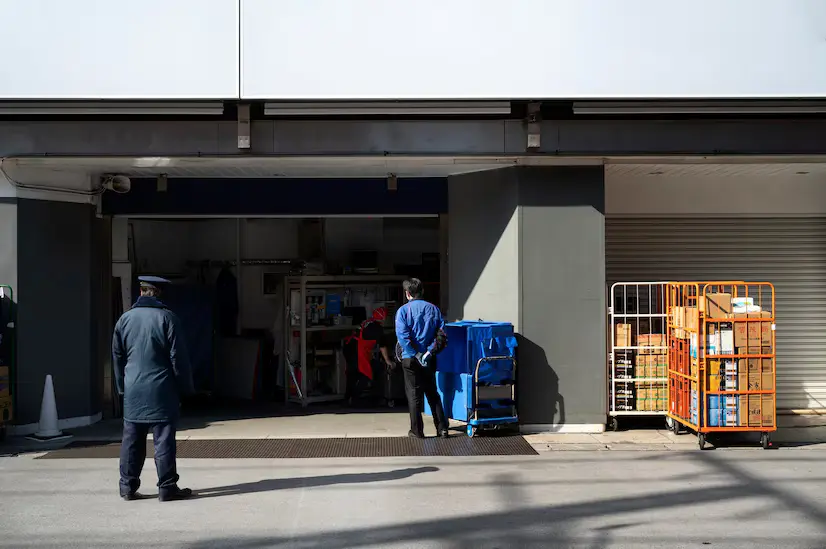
{"x":623,"y":336}
{"x":624,"y":364}
{"x":652,"y":396}
{"x":625,"y":398}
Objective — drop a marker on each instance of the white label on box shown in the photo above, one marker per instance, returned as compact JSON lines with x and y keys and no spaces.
{"x":727,"y":342}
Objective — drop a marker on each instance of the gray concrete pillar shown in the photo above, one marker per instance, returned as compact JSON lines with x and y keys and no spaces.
{"x":527,"y":245}
{"x":60,"y":287}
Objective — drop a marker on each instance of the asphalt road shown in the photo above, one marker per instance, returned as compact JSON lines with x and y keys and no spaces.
{"x":727,"y":498}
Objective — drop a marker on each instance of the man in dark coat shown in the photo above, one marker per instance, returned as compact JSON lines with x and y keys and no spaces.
{"x":152,"y":372}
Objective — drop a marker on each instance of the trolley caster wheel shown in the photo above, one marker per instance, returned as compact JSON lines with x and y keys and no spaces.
{"x":765,"y":441}
{"x":669,"y":423}
{"x":391,"y":403}
{"x":676,"y":427}
{"x":471,"y":431}
{"x":701,"y":439}
{"x":613,"y":424}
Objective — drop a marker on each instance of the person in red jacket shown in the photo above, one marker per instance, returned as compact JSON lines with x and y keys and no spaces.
{"x":359,"y":352}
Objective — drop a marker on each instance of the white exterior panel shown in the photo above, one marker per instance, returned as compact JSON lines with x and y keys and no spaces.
{"x":532,"y":49}
{"x":98,"y":49}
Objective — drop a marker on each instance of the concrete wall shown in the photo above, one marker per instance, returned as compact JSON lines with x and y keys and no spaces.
{"x":483,"y":247}
{"x":562,"y":268}
{"x":526,"y":245}
{"x":58,"y":265}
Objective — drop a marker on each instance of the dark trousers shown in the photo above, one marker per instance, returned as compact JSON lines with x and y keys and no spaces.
{"x":133,"y":454}
{"x":420,"y":383}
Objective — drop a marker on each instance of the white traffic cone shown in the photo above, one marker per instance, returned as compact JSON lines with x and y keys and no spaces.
{"x":47,"y":429}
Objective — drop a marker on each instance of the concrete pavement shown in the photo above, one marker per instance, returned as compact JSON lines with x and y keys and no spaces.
{"x":749,"y":498}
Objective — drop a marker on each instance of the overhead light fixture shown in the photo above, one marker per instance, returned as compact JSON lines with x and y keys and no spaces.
{"x":365,"y":108}
{"x":699,"y":107}
{"x":79,"y":108}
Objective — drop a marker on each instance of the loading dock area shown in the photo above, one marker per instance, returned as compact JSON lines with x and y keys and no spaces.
{"x":518,"y":238}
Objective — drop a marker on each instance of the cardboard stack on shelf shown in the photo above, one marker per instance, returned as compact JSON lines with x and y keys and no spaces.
{"x":625,"y":394}
{"x":642,"y":366}
{"x":652,"y":365}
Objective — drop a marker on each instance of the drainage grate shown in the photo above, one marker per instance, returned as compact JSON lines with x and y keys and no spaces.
{"x":315,"y":448}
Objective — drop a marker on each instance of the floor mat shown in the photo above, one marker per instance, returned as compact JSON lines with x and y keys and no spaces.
{"x":315,"y":448}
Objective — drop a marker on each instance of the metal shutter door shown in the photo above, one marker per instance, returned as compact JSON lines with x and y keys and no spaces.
{"x":788,"y":252}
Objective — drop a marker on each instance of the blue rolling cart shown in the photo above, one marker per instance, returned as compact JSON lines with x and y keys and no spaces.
{"x":476,"y":375}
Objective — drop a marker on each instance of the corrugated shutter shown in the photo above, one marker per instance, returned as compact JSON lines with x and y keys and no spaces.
{"x":788,"y":252}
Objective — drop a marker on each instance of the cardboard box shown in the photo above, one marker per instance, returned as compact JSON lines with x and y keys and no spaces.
{"x":692,"y":319}
{"x":741,"y":334}
{"x":743,"y":381}
{"x":766,"y":334}
{"x":754,"y":382}
{"x":743,"y":410}
{"x":754,"y":365}
{"x":678,"y":317}
{"x":716,"y":305}
{"x":767,"y":381}
{"x":755,"y":411}
{"x":714,"y":382}
{"x":768,"y":410}
{"x":623,"y":338}
{"x":766,"y":365}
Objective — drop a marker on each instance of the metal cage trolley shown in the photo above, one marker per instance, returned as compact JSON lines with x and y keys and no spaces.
{"x":637,"y":358}
{"x":722,"y":361}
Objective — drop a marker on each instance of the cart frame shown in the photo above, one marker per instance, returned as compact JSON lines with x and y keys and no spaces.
{"x":475,"y":423}
{"x":653,"y":291}
{"x":703,"y":427}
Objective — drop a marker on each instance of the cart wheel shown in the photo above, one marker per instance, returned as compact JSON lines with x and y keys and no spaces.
{"x":765,"y":441}
{"x":613,"y":424}
{"x":701,"y":438}
{"x":471,"y":431}
{"x":669,"y":423}
{"x":391,"y":403}
{"x":676,"y":427}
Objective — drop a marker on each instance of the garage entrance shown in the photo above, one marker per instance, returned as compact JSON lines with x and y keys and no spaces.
{"x":237,"y":286}
{"x":271,"y":278}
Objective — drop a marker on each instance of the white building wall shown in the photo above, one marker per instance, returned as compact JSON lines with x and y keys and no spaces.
{"x":430,"y":49}
{"x":98,"y":49}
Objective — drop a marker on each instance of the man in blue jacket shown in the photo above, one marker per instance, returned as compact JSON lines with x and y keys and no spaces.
{"x":417,"y":325}
{"x":152,"y":372}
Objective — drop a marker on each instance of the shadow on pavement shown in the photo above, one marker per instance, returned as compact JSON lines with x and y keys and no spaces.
{"x":270,"y":485}
{"x":523,"y":526}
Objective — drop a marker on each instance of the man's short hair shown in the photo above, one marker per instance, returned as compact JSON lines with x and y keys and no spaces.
{"x":414,"y":287}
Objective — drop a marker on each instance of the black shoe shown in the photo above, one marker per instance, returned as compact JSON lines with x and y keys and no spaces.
{"x":175,"y":494}
{"x":411,"y":434}
{"x":132,"y":497}
{"x":443,"y":433}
